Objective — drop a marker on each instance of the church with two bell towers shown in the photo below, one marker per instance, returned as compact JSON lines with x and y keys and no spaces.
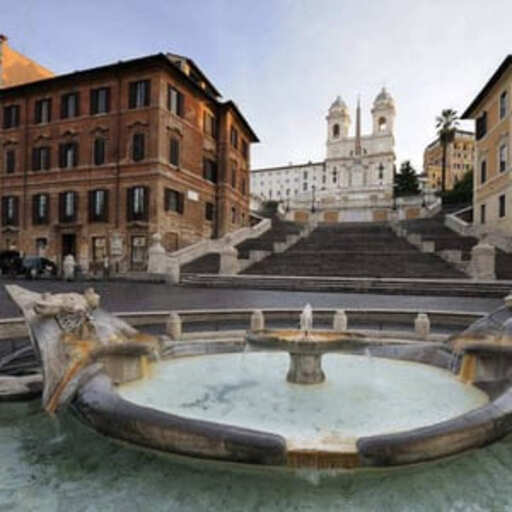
{"x":358,"y":170}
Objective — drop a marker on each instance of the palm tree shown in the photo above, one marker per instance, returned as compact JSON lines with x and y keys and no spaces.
{"x":446,"y":124}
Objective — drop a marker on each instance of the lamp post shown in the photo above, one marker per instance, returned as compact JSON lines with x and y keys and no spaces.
{"x":313,"y":209}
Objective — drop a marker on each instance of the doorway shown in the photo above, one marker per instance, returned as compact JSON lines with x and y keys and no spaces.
{"x":68,"y":245}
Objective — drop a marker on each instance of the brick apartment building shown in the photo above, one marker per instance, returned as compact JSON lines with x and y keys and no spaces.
{"x":96,"y":161}
{"x":460,"y":157}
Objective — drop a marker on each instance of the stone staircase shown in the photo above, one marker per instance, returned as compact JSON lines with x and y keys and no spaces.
{"x":355,"y":250}
{"x":280,"y":236}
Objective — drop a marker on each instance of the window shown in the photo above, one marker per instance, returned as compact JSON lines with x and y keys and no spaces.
{"x":305,"y":175}
{"x":43,"y":111}
{"x":208,"y":211}
{"x":100,"y":100}
{"x":233,"y":174}
{"x":482,"y":214}
{"x":98,"y":206}
{"x":245,"y":149}
{"x":234,"y":137}
{"x":10,"y":161}
{"x":138,"y":256}
{"x":140,"y":93}
{"x":68,"y":206}
{"x":174,"y":201}
{"x":41,"y":246}
{"x":503,"y":104}
{"x":481,"y":126}
{"x":233,"y":215}
{"x":174,"y":152}
{"x":503,"y":158}
{"x":334,"y":176}
{"x":210,"y":170}
{"x":381,"y":172}
{"x":324,"y":179}
{"x":138,"y":147}
{"x":10,"y":211}
{"x":209,"y":124}
{"x":243,"y":188}
{"x":175,"y":101}
{"x":483,"y":171}
{"x":502,"y":211}
{"x":11,"y":116}
{"x":68,"y":155}
{"x":40,"y":209}
{"x":304,"y":186}
{"x":99,"y":248}
{"x":138,"y":203}
{"x":41,"y":158}
{"x":99,"y":151}
{"x":70,"y":105}
{"x":383,"y":124}
{"x":336,"y":130}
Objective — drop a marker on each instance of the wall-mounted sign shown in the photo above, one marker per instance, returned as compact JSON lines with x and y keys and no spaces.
{"x":193,"y":195}
{"x":116,"y":245}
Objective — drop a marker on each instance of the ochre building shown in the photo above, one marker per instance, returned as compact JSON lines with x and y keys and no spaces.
{"x":97,"y":161}
{"x":460,"y":155}
{"x":492,"y":193}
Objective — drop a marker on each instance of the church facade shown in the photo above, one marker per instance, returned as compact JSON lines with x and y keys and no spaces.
{"x":357,"y":172}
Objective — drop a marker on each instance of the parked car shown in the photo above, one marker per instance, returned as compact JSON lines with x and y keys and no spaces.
{"x":36,"y":266}
{"x":10,"y":262}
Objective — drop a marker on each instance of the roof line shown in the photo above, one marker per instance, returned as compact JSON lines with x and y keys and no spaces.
{"x":488,"y":86}
{"x":262,"y":169}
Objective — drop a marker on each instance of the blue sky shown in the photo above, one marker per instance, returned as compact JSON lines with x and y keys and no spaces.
{"x":284,"y":61}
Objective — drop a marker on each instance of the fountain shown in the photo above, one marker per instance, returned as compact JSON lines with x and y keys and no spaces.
{"x":144,"y":390}
{"x":307,"y":346}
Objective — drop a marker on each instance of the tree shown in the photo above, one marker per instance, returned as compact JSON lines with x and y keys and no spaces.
{"x":462,"y":192}
{"x":446,"y":124}
{"x":406,"y":181}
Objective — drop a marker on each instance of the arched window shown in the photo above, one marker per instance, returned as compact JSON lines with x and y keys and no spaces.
{"x":336,"y":130}
{"x":383,"y":124}
{"x":381,"y":172}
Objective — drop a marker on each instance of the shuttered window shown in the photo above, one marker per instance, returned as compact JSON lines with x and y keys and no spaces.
{"x":68,"y":155}
{"x":70,"y":105}
{"x":234,"y":137}
{"x":174,"y":201}
{"x":174,"y":156}
{"x":68,"y":207}
{"x":43,"y":111}
{"x":208,"y":211}
{"x":41,"y":158}
{"x":138,"y":147}
{"x":10,"y":161}
{"x":99,"y":151}
{"x":175,"y":101}
{"x":40,"y":209}
{"x":11,"y":116}
{"x":98,"y":205}
{"x":100,"y":100}
{"x":209,"y":124}
{"x":210,"y":170}
{"x":137,"y":203}
{"x":140,"y":93}
{"x":10,"y":210}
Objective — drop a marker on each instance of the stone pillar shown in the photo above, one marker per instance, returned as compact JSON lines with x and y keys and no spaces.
{"x":428,"y":246}
{"x":257,"y":320}
{"x":229,"y":261}
{"x":340,"y":321}
{"x":173,"y":326}
{"x":305,"y":369}
{"x":482,"y":264}
{"x":422,"y":325}
{"x":172,"y":270}
{"x":156,"y":256}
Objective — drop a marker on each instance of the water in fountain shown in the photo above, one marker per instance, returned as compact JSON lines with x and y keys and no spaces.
{"x":306,"y":321}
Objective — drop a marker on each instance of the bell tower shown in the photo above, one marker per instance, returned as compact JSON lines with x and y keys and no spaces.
{"x":338,"y":121}
{"x":383,"y":113}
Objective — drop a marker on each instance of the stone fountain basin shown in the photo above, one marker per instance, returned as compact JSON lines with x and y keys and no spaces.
{"x":316,"y":342}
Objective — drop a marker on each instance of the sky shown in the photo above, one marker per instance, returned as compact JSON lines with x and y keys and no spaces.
{"x":284,"y":61}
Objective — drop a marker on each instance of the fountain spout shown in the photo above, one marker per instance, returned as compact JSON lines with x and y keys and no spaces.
{"x":306,"y":320}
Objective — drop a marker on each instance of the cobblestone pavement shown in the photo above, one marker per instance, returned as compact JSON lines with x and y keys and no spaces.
{"x":132,"y":296}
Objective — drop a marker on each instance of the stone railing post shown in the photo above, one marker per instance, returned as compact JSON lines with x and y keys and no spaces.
{"x":172,"y":270}
{"x":422,"y":325}
{"x":482,"y":264}
{"x":156,"y":256}
{"x":340,"y":321}
{"x":257,"y":320}
{"x":173,"y":326}
{"x":229,"y":264}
